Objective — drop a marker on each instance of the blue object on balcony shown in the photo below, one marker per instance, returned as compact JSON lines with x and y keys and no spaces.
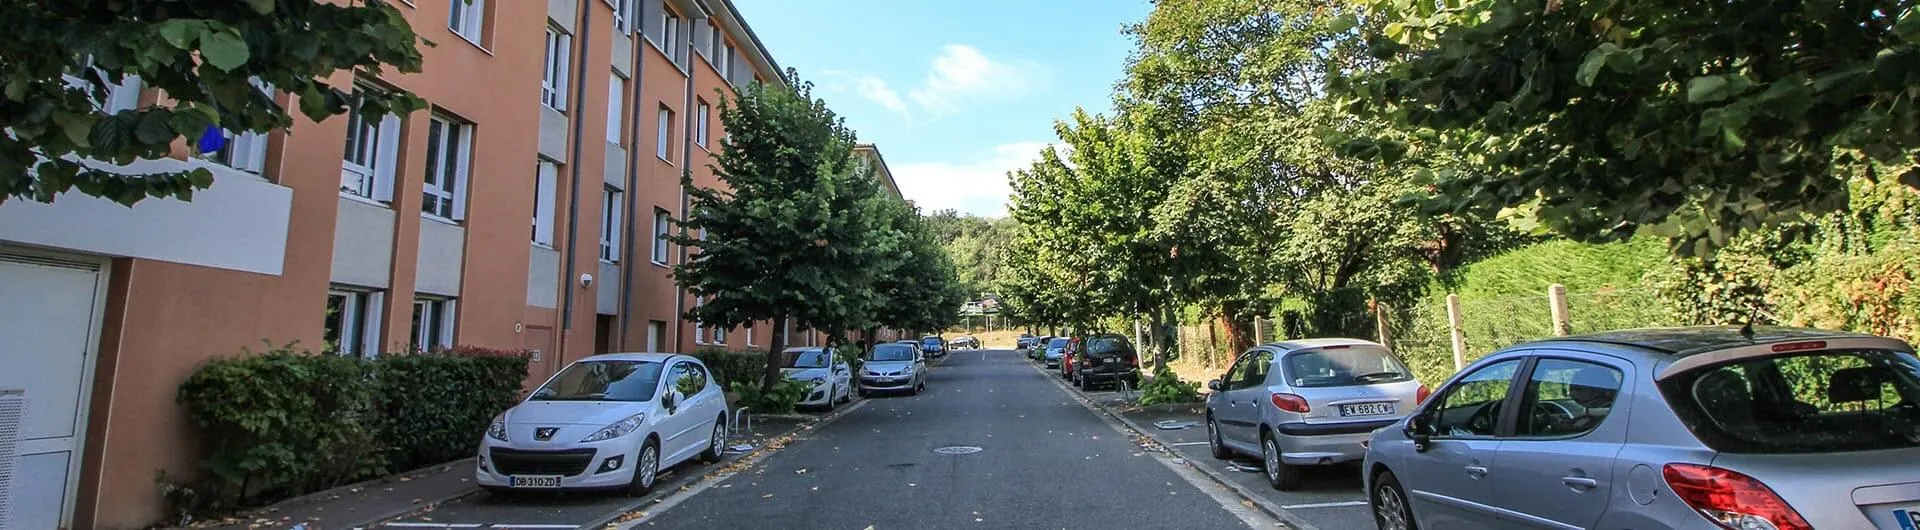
{"x":213,"y":140}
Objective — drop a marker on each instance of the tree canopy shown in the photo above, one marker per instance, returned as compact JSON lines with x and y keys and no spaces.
{"x":214,"y":60}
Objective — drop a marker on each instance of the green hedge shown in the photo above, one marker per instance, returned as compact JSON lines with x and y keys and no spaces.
{"x":286,"y":422}
{"x":732,"y":367}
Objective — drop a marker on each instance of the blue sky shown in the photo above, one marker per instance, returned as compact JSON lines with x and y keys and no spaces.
{"x":954,"y":96}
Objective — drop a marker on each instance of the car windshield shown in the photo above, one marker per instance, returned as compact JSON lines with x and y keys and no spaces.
{"x":1109,"y":346}
{"x":602,"y":381}
{"x":930,"y":341}
{"x":891,"y":352}
{"x":1344,"y":366}
{"x":1057,"y":343}
{"x":813,"y":358}
{"x":1839,"y":400}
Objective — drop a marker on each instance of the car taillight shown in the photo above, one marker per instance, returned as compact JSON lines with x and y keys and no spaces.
{"x":1730,"y":499}
{"x":1420,"y":396}
{"x":1291,"y":403}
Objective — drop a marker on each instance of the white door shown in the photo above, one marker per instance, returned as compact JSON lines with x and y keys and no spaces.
{"x":49,"y":321}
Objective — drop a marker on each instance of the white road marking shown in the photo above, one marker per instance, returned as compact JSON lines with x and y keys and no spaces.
{"x":1184,"y":444}
{"x":538,"y":526}
{"x":1342,"y":504}
{"x":438,"y":525}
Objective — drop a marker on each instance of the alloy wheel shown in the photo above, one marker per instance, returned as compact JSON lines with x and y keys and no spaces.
{"x":1270,"y":452}
{"x":1390,"y":508}
{"x":719,"y":438}
{"x":649,"y":465}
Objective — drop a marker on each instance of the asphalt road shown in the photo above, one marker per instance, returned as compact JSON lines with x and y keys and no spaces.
{"x":1044,"y":461}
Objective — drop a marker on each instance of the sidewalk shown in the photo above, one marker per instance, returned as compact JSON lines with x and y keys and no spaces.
{"x":1330,"y":499}
{"x":370,"y":503}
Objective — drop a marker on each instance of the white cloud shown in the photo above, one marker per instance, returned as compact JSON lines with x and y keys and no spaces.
{"x":960,"y":75}
{"x":978,"y":186}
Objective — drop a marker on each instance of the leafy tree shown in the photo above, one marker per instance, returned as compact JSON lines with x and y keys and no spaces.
{"x":794,"y":234}
{"x":62,"y":58}
{"x":1689,"y":120}
{"x":919,"y":291}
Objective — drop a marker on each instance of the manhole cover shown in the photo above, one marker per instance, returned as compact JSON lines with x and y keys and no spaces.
{"x":958,"y":450}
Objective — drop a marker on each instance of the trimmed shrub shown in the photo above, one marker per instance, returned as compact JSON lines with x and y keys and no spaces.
{"x":286,"y":422}
{"x":1166,"y":387}
{"x":780,"y":400}
{"x":733,"y":367}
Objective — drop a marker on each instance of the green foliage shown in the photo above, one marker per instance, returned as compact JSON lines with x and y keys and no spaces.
{"x":1166,"y":387}
{"x":780,"y":399}
{"x":731,"y":367}
{"x":1581,"y":267}
{"x":284,"y":422}
{"x":974,"y":245}
{"x":204,"y":54}
{"x":1692,"y":122}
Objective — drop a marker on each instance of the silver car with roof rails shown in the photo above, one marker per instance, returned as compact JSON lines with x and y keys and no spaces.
{"x":1307,"y":402}
{"x":1682,"y":428}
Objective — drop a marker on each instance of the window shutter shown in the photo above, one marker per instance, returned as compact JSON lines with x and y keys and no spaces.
{"x":387,"y":159}
{"x":464,"y":173}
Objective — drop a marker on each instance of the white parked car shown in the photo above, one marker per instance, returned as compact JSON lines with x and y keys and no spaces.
{"x":609,"y":421}
{"x":823,"y":368}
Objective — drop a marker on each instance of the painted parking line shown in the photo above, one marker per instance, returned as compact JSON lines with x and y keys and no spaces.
{"x":437,"y":525}
{"x":1342,"y":504}
{"x":496,"y":526}
{"x":1184,"y":444}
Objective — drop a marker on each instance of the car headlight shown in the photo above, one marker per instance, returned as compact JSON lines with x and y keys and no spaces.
{"x":819,"y":380}
{"x":498,"y":429}
{"x":618,"y":429}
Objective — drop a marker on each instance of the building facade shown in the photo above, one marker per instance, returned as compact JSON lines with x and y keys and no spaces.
{"x":521,"y":210}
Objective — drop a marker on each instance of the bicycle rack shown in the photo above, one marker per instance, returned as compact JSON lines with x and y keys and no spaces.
{"x":739,"y":417}
{"x":1126,"y":390}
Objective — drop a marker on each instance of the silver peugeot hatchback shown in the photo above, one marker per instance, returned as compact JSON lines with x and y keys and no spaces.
{"x":1307,"y":402}
{"x":1688,"y":428}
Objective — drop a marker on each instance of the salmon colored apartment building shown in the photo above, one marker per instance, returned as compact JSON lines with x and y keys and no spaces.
{"x":521,"y":210}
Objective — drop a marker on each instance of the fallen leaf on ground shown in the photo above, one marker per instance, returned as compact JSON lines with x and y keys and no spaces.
{"x":767,"y":496}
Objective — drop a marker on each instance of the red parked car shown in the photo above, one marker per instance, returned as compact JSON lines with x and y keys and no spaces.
{"x":1068,"y":355}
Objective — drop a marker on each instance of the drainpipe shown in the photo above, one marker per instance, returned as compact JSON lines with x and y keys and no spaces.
{"x":627,"y":263}
{"x":686,"y":174}
{"x":573,"y":188}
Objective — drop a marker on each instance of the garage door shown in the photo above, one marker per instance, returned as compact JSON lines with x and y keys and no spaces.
{"x":49,"y":320}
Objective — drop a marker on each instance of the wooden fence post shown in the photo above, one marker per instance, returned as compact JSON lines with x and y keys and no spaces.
{"x":1380,"y":324}
{"x":1557,"y":305}
{"x":1459,"y":334}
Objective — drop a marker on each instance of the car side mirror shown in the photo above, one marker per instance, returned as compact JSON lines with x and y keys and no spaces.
{"x":1213,"y":385}
{"x":671,"y":400}
{"x":1420,"y":431}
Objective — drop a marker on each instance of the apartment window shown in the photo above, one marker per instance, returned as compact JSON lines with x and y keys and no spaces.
{"x":749,"y":332}
{"x":670,"y":36}
{"x":715,"y":38}
{"x":656,"y":332}
{"x":661,"y":224}
{"x":701,"y":128}
{"x":699,"y":331}
{"x":465,"y":18}
{"x":352,"y":327}
{"x":123,"y":96}
{"x":370,"y":153}
{"x":616,"y":102}
{"x":612,"y":204}
{"x":664,"y":149}
{"x":246,"y":151}
{"x":622,"y":16}
{"x":449,"y":156}
{"x":724,"y":62}
{"x":553,"y":83}
{"x":719,"y":335}
{"x":544,"y":192}
{"x":432,"y":324}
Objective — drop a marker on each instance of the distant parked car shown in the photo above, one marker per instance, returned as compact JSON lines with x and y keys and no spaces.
{"x":1037,"y":350}
{"x":830,"y":376}
{"x":1307,"y":402}
{"x":965,"y":341}
{"x":1025,"y":341}
{"x":606,"y":421}
{"x":933,"y":346}
{"x":1106,"y":358}
{"x":1686,"y":428}
{"x":1056,"y":347}
{"x":893,"y":367}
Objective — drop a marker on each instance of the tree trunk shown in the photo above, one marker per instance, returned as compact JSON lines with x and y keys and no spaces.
{"x":873,"y":338}
{"x":772,"y":375}
{"x":1159,"y":346}
{"x":1239,"y":331}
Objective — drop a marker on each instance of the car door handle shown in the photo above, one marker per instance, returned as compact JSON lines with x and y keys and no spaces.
{"x":1476,"y":471}
{"x":1580,"y":482}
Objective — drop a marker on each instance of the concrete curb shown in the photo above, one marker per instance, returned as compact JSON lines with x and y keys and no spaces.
{"x":666,"y":498}
{"x":417,"y":508}
{"x":1265,"y":506}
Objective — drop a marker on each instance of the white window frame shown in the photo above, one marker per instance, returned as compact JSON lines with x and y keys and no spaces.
{"x":559,"y":61}
{"x":371,"y":151}
{"x":720,"y":335}
{"x":725,"y":66}
{"x":616,"y":109}
{"x":662,"y":225}
{"x":436,"y":319}
{"x":702,"y":127}
{"x":699,"y":331}
{"x":246,"y":151}
{"x":359,"y":321}
{"x":467,"y":19}
{"x":670,"y":35}
{"x":656,"y":335}
{"x":545,"y":192}
{"x":124,"y":96}
{"x":613,"y":204}
{"x":449,"y":166}
{"x":663,"y":141}
{"x":748,"y":329}
{"x":622,"y":16}
{"x":715,"y":39}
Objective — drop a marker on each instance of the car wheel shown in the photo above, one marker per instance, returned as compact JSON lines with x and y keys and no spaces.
{"x":1220,"y":450}
{"x":717,"y":444}
{"x":864,"y":393}
{"x":1281,"y":476}
{"x":647,"y":470}
{"x":1390,"y":508}
{"x":833,"y":399}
